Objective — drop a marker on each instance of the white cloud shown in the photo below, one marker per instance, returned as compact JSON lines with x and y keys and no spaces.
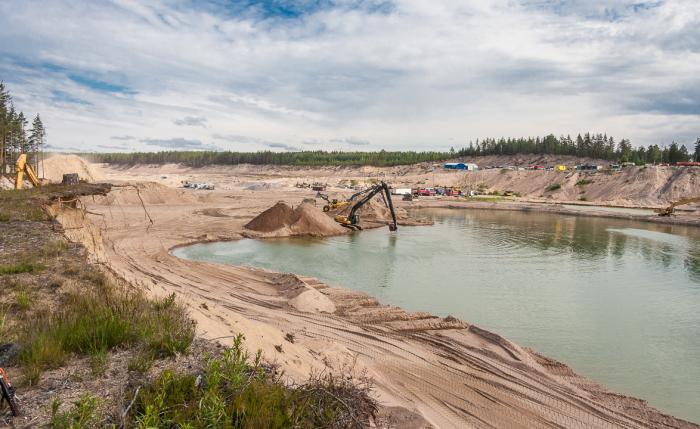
{"x":410,"y":75}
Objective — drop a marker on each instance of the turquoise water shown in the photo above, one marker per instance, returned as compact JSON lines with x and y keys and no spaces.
{"x":617,"y":300}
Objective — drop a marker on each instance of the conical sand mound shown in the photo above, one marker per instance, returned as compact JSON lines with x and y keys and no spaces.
{"x":281,"y":220}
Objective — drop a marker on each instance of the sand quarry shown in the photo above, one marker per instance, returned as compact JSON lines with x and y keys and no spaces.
{"x":428,"y":371}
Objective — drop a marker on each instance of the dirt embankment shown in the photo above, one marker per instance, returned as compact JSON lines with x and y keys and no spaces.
{"x":633,"y":186}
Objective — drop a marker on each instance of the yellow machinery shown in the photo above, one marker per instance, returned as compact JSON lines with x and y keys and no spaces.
{"x":22,"y":167}
{"x":668,"y":211}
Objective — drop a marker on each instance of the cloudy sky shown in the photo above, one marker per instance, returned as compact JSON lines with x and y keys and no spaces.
{"x":350,"y":74}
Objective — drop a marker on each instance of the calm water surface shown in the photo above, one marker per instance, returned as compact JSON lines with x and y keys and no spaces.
{"x":617,"y":300}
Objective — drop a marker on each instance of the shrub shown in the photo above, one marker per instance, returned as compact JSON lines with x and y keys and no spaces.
{"x":584,"y":182}
{"x":236,"y":391}
{"x":554,"y":187}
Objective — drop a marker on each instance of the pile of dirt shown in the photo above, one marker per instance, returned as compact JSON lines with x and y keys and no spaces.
{"x":55,"y":167}
{"x":281,"y":220}
{"x":278,"y":216}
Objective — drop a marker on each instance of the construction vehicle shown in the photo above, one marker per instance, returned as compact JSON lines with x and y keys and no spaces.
{"x":668,"y":211}
{"x":7,"y":393}
{"x":22,"y":167}
{"x":335,"y":204}
{"x":352,"y":220}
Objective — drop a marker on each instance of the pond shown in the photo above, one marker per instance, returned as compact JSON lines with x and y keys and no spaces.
{"x":617,"y":300}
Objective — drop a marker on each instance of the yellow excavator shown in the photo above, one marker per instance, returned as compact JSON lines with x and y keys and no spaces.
{"x":22,"y":167}
{"x":352,"y":220}
{"x":668,"y":211}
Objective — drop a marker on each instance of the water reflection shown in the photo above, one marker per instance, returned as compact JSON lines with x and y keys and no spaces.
{"x":586,"y":239}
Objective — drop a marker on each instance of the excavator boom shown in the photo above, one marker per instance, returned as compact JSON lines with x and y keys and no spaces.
{"x":22,"y":167}
{"x":668,"y":211}
{"x":353,"y":219}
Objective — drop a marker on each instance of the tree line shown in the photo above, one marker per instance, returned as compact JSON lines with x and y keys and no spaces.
{"x":15,"y":138}
{"x":597,"y":146}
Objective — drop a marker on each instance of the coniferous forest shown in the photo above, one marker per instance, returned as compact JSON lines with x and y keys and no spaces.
{"x":598,"y":146}
{"x":15,"y":138}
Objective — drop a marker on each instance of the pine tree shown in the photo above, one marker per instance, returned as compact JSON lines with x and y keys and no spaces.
{"x":37,"y":138}
{"x":696,"y":154}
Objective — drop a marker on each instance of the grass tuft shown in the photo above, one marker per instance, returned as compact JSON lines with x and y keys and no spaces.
{"x":54,"y":248}
{"x":554,"y":187}
{"x":23,"y":300}
{"x":21,"y":267}
{"x":584,"y":182}
{"x":94,"y":322}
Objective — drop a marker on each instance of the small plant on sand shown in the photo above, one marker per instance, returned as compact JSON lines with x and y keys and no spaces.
{"x":85,"y":413}
{"x":582,"y":198}
{"x":23,"y":299}
{"x":554,"y":187}
{"x":584,"y":182}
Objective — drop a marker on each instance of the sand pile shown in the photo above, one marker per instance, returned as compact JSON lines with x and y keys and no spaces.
{"x":281,"y":220}
{"x":55,"y":167}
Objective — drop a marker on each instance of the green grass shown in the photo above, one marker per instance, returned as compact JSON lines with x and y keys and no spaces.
{"x":21,"y":267}
{"x":85,"y":413}
{"x":554,"y":187}
{"x":23,"y":300}
{"x":584,"y":182}
{"x":237,"y":391}
{"x":92,"y":322}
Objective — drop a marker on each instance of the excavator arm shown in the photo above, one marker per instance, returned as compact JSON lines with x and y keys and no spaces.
{"x":668,"y":211}
{"x":353,"y":219}
{"x":22,"y":167}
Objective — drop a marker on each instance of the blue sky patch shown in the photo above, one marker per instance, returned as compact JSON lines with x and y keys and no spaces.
{"x":99,"y":85}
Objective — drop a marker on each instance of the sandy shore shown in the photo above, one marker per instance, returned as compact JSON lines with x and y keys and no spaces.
{"x":428,"y":370}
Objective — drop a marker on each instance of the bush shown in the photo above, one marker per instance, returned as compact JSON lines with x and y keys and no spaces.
{"x":584,"y":182}
{"x":554,"y":187}
{"x":236,"y":391}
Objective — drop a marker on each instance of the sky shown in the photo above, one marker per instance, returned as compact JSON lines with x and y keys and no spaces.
{"x":288,"y":75}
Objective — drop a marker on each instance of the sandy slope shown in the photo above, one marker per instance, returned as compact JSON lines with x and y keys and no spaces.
{"x":451,"y":373}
